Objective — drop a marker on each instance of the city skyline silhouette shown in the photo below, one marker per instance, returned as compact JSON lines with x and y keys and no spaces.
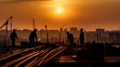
{"x":58,"y":33}
{"x":56,"y":13}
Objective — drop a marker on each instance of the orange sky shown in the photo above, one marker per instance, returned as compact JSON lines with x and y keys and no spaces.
{"x":89,"y":14}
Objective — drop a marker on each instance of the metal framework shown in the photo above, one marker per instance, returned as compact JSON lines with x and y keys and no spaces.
{"x":6,"y":24}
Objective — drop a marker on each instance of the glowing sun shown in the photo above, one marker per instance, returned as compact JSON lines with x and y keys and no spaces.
{"x":59,"y":10}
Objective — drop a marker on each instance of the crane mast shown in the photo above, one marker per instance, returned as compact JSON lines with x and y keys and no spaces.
{"x":6,"y":35}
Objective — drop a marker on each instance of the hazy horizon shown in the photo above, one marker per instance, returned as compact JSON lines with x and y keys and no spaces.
{"x":87,"y":14}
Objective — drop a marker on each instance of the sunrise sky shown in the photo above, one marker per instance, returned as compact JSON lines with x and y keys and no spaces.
{"x":88,"y":14}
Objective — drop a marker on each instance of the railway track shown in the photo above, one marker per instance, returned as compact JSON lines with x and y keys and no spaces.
{"x":37,"y":56}
{"x":18,"y":54}
{"x":50,"y":56}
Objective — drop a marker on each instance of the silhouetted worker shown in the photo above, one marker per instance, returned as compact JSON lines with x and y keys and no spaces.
{"x":70,"y":39}
{"x":13,"y":36}
{"x":81,"y":38}
{"x":33,"y":38}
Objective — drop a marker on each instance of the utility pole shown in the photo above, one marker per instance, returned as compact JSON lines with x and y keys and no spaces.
{"x":46,"y":33}
{"x":60,"y":33}
{"x":41,"y":35}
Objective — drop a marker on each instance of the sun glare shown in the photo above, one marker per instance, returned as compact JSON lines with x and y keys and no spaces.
{"x":59,"y":10}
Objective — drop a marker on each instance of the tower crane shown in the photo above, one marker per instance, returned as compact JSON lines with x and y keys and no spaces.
{"x":6,"y":24}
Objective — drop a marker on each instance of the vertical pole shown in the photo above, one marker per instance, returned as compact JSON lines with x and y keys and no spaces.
{"x":10,"y":18}
{"x":6,"y":34}
{"x":46,"y":32}
{"x":60,"y":35}
{"x":11,"y":24}
{"x":41,"y":35}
